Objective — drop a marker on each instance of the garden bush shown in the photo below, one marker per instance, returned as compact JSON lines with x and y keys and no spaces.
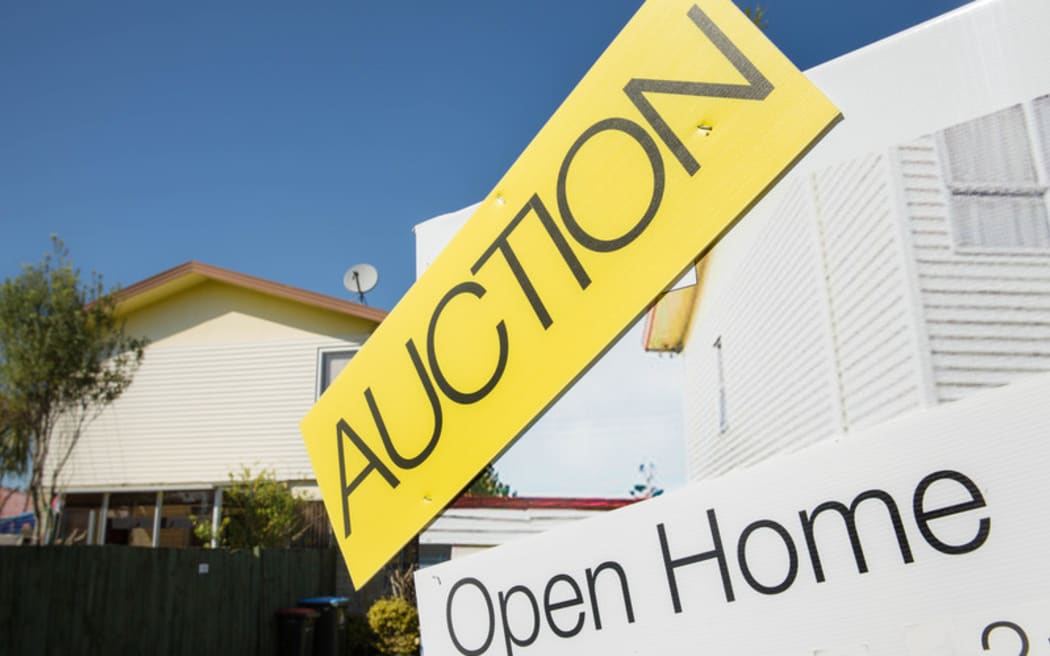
{"x":395,"y":622}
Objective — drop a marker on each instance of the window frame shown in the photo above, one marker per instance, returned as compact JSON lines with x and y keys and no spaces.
{"x":1037,"y":189}
{"x":321,"y":369}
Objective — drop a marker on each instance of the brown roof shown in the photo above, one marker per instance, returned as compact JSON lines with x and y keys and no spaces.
{"x":548,"y":503}
{"x":192,"y":273}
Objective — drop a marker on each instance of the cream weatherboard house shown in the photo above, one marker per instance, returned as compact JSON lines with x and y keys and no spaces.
{"x":233,"y":364}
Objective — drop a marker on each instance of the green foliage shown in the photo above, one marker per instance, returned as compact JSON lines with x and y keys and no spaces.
{"x":258,"y":511}
{"x":758,"y":16}
{"x":64,"y":356}
{"x":13,"y":457}
{"x":488,"y":484}
{"x":360,"y":638}
{"x":647,"y":487}
{"x":395,"y":622}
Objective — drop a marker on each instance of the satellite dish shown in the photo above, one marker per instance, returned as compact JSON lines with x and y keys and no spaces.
{"x":359,"y":279}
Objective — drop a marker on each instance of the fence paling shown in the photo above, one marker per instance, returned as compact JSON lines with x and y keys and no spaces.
{"x":116,"y":599}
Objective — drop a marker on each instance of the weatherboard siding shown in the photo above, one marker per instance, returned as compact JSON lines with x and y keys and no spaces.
{"x":224,"y":393}
{"x":868,"y":286}
{"x":770,"y":312}
{"x":987,"y":314}
{"x":818,"y":323}
{"x":196,"y":413}
{"x":914,"y":319}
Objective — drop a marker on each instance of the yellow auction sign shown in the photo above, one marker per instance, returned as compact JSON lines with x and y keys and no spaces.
{"x":688,"y":117}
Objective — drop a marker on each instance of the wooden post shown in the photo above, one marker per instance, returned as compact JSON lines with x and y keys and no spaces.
{"x":92,"y":528}
{"x":216,"y":518}
{"x":103,"y":519}
{"x":158,"y":509}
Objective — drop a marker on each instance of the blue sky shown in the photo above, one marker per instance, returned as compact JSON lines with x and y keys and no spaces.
{"x":291,"y":141}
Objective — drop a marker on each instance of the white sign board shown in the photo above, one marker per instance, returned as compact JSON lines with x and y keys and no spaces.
{"x":928,"y":535}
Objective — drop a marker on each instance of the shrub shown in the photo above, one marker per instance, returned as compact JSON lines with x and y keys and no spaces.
{"x":258,"y":511}
{"x":396,"y":625}
{"x":360,"y":639}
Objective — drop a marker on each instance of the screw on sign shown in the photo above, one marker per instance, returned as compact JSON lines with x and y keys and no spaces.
{"x":687,"y":119}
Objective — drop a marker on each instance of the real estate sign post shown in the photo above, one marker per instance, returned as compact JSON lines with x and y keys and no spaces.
{"x":682,"y":124}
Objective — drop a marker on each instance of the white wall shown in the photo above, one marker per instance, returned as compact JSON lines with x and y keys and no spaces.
{"x":986,"y":311}
{"x":433,"y":234}
{"x":873,"y":310}
{"x":891,"y":321}
{"x":770,"y":317}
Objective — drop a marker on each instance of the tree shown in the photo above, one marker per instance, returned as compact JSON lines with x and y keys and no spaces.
{"x":488,"y":484}
{"x":647,"y":487}
{"x":64,"y":356}
{"x":11,"y":456}
{"x":758,"y":16}
{"x":259,"y":511}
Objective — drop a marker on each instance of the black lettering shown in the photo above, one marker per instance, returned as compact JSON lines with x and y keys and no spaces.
{"x":451,"y":392}
{"x":502,"y":244}
{"x":923,"y":516}
{"x":718,"y":553}
{"x":342,"y":429}
{"x":986,"y":635}
{"x":435,"y":407}
{"x":638,"y":133}
{"x":757,"y":88}
{"x":549,"y":608}
{"x":849,"y":516}
{"x":745,"y":569}
{"x":508,"y":635}
{"x":492,"y":617}
{"x":592,"y":577}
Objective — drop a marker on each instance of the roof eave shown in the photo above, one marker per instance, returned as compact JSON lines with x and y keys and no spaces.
{"x":189,"y":274}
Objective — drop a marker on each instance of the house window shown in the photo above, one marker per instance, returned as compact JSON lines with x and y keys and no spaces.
{"x":1041,"y":108}
{"x":331,"y":365}
{"x":723,"y":417}
{"x":997,"y":198}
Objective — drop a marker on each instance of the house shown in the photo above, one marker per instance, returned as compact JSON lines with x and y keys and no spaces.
{"x":13,"y":502}
{"x":233,"y":364}
{"x":15,"y":516}
{"x":903,"y":264}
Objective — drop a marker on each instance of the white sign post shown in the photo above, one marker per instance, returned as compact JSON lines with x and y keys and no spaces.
{"x":929,"y":535}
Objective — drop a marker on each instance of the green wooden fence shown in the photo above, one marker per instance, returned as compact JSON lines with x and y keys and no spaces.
{"x":127,"y":600}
